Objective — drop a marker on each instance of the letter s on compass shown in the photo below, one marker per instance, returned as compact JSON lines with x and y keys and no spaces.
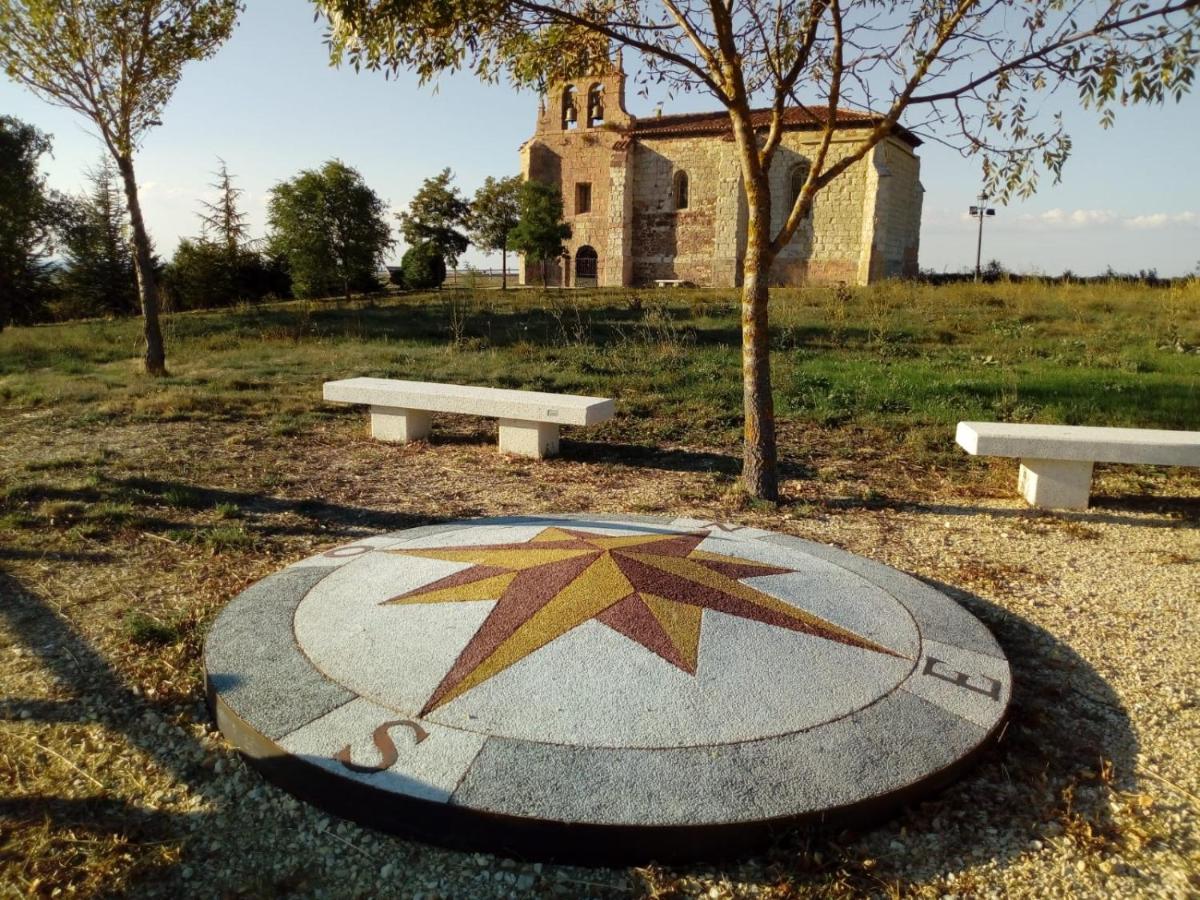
{"x":385,"y":746}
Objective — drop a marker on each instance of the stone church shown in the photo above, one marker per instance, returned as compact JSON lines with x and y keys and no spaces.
{"x":660,"y":198}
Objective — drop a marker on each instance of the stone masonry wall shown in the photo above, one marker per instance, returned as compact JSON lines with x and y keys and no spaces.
{"x":897,"y":211}
{"x":864,"y":226}
{"x":680,"y":243}
{"x":829,"y":245}
{"x":581,"y":158}
{"x":852,"y":235}
{"x":568,"y":154}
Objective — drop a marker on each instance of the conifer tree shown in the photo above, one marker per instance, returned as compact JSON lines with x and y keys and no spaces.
{"x":209,"y":270}
{"x":222,"y":220}
{"x":98,"y":275}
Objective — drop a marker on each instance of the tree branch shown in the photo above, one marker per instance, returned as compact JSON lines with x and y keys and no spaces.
{"x":1060,"y":44}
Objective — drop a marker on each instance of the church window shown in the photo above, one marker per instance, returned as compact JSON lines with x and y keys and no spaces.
{"x":681,"y":190}
{"x":583,"y":197}
{"x":796,"y":186}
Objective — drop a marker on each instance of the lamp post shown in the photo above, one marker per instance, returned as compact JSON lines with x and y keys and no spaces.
{"x":979,"y":212}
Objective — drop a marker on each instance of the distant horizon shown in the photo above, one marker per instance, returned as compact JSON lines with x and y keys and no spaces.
{"x":270,"y":105}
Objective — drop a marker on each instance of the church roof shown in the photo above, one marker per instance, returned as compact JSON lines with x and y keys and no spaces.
{"x":794,"y":118}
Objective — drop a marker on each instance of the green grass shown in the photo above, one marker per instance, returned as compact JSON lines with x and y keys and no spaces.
{"x":148,"y":631}
{"x":897,"y":355}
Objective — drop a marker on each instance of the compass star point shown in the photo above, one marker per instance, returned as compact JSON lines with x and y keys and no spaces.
{"x":651,"y":588}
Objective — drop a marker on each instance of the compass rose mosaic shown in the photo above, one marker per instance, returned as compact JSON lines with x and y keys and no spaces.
{"x":601,"y":688}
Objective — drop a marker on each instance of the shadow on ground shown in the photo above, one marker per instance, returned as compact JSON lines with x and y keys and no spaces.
{"x":645,"y":456}
{"x":153,"y":499}
{"x":96,"y":694}
{"x":1170,"y":512}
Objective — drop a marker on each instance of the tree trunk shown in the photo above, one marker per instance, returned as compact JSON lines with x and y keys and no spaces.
{"x":504,"y":268}
{"x":759,"y":454}
{"x":143,"y":262}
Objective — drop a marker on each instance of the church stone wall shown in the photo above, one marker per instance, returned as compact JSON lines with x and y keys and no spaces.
{"x":570,"y":159}
{"x":898,"y":203}
{"x":582,"y":153}
{"x":684,"y":244}
{"x":864,"y":226}
{"x":829,"y":245}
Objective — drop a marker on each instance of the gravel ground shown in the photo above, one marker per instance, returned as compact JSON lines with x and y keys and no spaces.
{"x":112,"y":779}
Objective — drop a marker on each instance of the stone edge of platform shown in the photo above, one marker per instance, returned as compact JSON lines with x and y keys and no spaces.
{"x":480,"y":812}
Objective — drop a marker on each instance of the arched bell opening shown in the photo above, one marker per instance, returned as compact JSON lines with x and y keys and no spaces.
{"x":570,"y":109}
{"x":595,"y":106}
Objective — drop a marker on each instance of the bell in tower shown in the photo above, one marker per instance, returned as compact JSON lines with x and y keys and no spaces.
{"x":595,"y":105}
{"x":598,"y":102}
{"x":570,"y":116}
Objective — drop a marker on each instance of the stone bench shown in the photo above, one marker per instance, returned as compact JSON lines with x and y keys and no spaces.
{"x":529,"y":420}
{"x":672,"y":282}
{"x":1057,"y":460}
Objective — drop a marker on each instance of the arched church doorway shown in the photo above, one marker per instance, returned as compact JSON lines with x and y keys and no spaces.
{"x":587,"y":264}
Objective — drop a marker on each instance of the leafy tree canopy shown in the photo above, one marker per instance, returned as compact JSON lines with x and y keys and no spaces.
{"x":968,"y":71}
{"x":437,"y":215}
{"x":117,"y":62}
{"x":495,"y":211}
{"x":28,"y":215}
{"x":330,"y":227}
{"x":540,"y":231}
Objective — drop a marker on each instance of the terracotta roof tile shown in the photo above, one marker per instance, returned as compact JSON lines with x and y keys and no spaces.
{"x":794,"y":118}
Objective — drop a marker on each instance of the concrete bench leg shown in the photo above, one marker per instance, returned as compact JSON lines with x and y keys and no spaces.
{"x":391,"y":423}
{"x":1055,"y":483}
{"x":535,"y":439}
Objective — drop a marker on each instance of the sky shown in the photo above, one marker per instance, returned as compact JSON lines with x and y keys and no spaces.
{"x":270,"y":105}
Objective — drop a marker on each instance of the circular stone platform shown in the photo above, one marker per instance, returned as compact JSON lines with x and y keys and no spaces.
{"x":601,"y":688}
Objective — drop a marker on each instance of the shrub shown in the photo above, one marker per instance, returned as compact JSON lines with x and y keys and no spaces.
{"x":204,"y":275}
{"x":423,"y":268}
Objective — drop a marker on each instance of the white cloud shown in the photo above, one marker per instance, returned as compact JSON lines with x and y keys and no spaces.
{"x":161,"y":192}
{"x":1075,"y":218}
{"x":1150,"y":221}
{"x":1083,"y":219}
